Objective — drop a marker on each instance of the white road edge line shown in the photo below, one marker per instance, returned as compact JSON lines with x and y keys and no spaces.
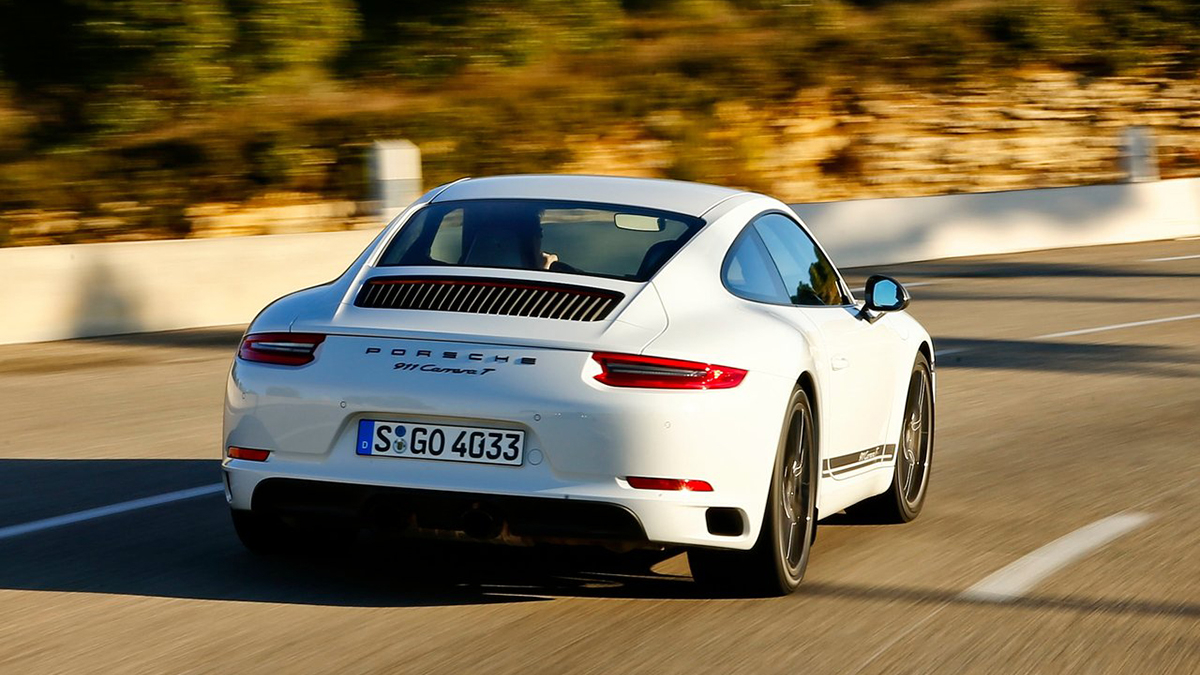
{"x":1015,"y":580}
{"x":103,"y":511}
{"x":1116,"y":326}
{"x":1175,"y":257}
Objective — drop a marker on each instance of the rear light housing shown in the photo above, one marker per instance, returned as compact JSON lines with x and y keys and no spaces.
{"x":281,"y":349}
{"x":669,"y":484}
{"x":250,"y":454}
{"x":651,"y":372}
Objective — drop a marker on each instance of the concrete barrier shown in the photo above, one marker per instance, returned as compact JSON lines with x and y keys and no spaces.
{"x":58,"y":292}
{"x":882,"y":231}
{"x":80,"y":290}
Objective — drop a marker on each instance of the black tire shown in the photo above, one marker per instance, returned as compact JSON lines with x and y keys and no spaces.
{"x":776,"y":563}
{"x":903,"y":501}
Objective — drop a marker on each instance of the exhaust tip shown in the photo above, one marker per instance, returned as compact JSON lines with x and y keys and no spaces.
{"x":725,"y":522}
{"x":480,"y":523}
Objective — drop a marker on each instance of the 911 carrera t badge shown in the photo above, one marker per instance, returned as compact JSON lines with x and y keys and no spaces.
{"x":468,"y":363}
{"x":431,"y":368}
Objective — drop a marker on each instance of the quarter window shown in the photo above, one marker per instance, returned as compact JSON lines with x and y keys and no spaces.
{"x":749,"y":273}
{"x":808,"y":276}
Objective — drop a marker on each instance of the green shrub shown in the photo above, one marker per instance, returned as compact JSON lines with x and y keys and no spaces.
{"x":917,"y":47}
{"x":167,"y":103}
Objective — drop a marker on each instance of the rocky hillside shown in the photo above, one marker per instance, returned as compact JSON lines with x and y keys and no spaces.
{"x":147,"y":119}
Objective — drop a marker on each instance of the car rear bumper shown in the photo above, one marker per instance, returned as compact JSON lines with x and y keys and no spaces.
{"x":583,"y":439}
{"x":581,"y":514}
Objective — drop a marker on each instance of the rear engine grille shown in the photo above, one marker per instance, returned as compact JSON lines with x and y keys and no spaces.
{"x":488,"y":296}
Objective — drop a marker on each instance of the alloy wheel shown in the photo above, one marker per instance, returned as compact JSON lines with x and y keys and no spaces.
{"x":915,"y":440}
{"x":795,"y":520}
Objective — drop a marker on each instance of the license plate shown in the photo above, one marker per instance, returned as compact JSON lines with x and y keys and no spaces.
{"x":441,"y":442}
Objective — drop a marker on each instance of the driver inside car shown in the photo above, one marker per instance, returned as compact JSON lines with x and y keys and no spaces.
{"x":509,"y":239}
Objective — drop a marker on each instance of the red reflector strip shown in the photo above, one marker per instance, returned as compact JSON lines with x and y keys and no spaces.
{"x":672,"y":484}
{"x":651,"y":372}
{"x":281,"y":349}
{"x":249,"y":454}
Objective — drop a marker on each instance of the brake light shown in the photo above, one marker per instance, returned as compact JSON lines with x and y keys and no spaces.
{"x":281,"y":349}
{"x":650,"y":372}
{"x":249,"y":454}
{"x":674,"y":484}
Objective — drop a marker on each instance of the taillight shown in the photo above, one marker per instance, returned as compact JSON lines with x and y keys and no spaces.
{"x":673,"y":484}
{"x":248,"y":454}
{"x":282,"y":349}
{"x":628,"y":370}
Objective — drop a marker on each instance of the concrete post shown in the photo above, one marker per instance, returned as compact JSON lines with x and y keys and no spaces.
{"x":395,"y":176}
{"x":1139,"y":160}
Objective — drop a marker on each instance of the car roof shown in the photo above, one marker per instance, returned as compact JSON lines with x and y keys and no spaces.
{"x":692,"y":199}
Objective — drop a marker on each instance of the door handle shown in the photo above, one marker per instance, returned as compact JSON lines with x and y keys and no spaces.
{"x":839,"y":362}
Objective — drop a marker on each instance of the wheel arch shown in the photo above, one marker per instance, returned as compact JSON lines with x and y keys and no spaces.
{"x":808,"y":384}
{"x":926,"y":349}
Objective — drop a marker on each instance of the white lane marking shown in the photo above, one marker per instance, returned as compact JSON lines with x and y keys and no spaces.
{"x":1018,"y":578}
{"x":1174,"y":257}
{"x":1158,"y":496}
{"x":946,"y":352}
{"x":1083,"y":331}
{"x":1116,"y":326}
{"x":112,"y":509}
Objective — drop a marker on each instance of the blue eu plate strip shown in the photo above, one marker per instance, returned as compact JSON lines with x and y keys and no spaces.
{"x":365,"y":429}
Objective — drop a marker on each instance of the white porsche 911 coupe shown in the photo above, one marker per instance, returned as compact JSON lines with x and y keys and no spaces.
{"x":585,"y":360}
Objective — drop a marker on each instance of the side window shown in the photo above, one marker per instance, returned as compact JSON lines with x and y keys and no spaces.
{"x":808,"y":276}
{"x":749,"y":273}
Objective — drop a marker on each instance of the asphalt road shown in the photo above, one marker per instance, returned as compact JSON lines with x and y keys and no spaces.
{"x":1039,"y":436}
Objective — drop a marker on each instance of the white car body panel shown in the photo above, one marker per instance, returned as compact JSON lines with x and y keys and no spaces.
{"x":693,"y":199}
{"x":591,"y":435}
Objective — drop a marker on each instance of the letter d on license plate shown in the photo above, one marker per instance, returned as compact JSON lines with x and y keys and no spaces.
{"x":440,"y":442}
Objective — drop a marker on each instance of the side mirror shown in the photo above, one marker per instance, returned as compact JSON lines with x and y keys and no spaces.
{"x":885,"y":294}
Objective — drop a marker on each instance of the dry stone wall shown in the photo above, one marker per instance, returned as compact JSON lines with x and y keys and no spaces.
{"x":844,"y":142}
{"x":847,"y":140}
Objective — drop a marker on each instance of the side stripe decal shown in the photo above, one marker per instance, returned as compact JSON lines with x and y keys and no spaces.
{"x":844,"y":464}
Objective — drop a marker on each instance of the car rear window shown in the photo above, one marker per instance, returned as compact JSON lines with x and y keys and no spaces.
{"x":602,"y":240}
